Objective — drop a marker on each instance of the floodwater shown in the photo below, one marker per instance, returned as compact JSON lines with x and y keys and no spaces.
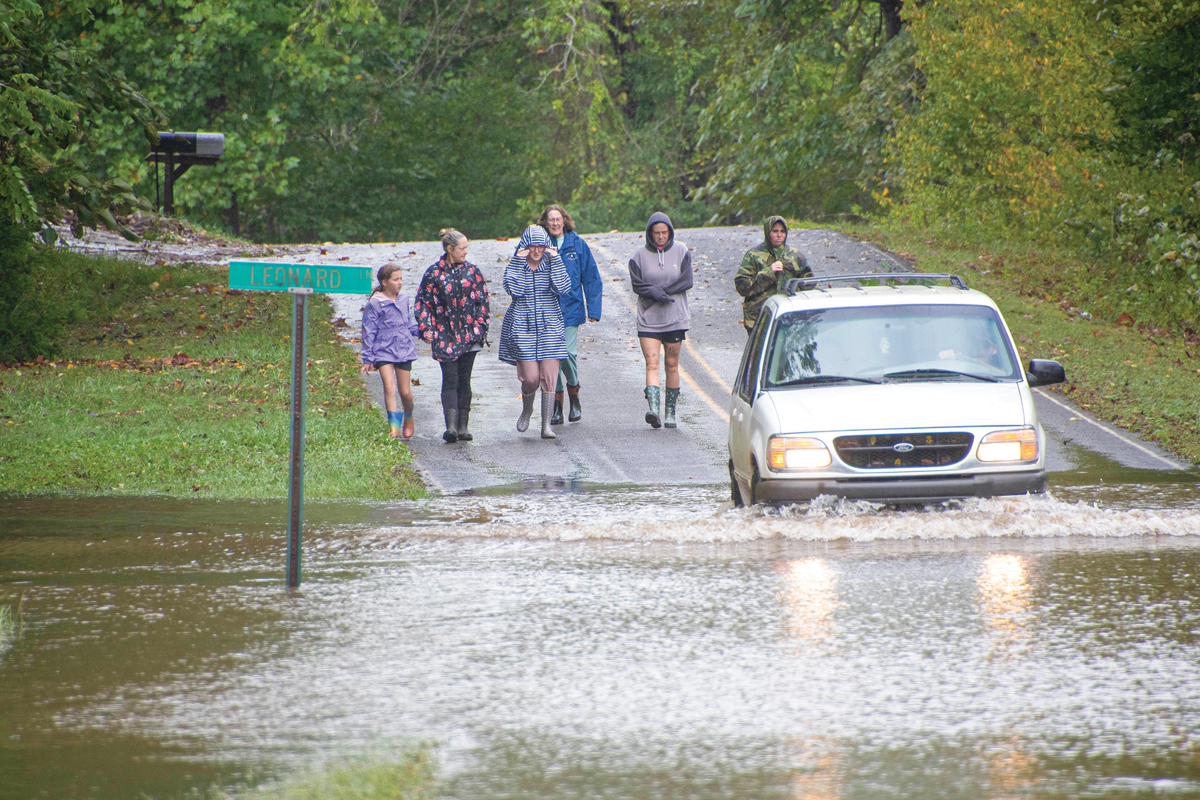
{"x":558,"y":640}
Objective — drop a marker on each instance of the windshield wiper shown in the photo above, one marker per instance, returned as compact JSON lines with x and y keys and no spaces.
{"x":824,"y":379}
{"x":934,"y":373}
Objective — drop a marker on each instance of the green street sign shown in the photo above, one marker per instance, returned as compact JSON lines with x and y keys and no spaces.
{"x":262,"y":276}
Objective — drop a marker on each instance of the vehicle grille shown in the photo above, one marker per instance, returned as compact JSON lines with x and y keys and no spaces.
{"x":878,"y":451}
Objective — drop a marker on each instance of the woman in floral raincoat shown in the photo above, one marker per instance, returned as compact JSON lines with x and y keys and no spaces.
{"x":452,"y":312}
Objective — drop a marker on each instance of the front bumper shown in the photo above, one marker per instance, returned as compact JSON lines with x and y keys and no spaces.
{"x":902,"y":490}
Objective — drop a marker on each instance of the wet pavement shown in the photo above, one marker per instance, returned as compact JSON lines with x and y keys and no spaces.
{"x":588,"y":617}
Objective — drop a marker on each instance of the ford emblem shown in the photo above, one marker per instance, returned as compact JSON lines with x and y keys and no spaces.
{"x":903,"y":447}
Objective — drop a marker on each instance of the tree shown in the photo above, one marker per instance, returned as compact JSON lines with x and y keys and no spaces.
{"x":802,"y":105}
{"x":52,"y":92}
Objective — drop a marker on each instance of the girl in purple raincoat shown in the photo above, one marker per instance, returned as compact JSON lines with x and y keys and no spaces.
{"x":388,"y":345}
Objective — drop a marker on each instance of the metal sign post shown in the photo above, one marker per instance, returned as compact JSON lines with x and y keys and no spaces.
{"x":301,"y":281}
{"x":296,"y":459}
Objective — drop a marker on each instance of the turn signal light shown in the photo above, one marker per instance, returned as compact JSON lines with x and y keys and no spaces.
{"x":1009,"y":446}
{"x":787,"y":452}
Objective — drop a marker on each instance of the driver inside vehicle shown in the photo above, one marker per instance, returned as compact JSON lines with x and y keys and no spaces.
{"x":981,"y":350}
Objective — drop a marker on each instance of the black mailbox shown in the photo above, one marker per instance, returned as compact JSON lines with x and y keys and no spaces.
{"x":179,"y":151}
{"x":201,"y":144}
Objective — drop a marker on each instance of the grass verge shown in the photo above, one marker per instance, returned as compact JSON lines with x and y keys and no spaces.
{"x":1132,"y":373}
{"x":409,"y":777}
{"x":182,"y":387}
{"x":12,"y":624}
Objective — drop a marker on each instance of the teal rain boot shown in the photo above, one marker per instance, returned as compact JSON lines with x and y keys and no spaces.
{"x":672,"y":397}
{"x":652,"y":416}
{"x":395,"y":422}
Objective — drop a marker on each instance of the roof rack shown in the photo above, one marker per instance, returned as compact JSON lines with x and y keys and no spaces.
{"x":794,"y":285}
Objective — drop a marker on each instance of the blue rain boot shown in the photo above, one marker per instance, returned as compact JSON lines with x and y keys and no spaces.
{"x":396,"y":423}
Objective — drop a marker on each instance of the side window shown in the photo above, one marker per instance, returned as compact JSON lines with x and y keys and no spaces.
{"x":748,"y":373}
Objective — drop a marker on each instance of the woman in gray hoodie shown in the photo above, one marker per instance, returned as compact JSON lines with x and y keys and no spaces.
{"x":660,"y":274}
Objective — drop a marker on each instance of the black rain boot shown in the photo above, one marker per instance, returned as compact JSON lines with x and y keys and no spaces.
{"x":556,"y":418}
{"x":576,"y":413}
{"x":464,"y":417}
{"x":451,"y":434}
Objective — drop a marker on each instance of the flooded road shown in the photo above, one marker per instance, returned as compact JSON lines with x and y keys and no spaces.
{"x":589,"y":617}
{"x":562,"y":639}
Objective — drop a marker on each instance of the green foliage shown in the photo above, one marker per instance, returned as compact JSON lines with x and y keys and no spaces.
{"x":30,"y":323}
{"x":45,"y":290}
{"x":351,"y":120}
{"x":364,"y":120}
{"x":1032,"y":121}
{"x":423,"y":166}
{"x":801,"y":106}
{"x":1158,"y":104}
{"x":52,"y":93}
{"x":621,"y":81}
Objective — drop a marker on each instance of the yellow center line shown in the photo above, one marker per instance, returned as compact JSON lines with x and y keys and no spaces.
{"x":695,"y":387}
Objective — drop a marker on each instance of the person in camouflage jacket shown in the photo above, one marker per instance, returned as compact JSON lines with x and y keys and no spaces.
{"x":766,"y":268}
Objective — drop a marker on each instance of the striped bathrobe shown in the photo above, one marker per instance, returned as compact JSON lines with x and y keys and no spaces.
{"x":533,"y":324}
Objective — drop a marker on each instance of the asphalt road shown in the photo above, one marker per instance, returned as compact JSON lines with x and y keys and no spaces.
{"x":612,"y":443}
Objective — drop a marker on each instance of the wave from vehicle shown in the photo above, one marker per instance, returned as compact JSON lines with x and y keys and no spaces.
{"x":709,"y":518}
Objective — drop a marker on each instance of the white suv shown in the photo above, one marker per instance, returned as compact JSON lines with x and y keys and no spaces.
{"x":909,"y":391}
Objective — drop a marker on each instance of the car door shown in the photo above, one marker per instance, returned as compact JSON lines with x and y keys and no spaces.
{"x":745,"y":390}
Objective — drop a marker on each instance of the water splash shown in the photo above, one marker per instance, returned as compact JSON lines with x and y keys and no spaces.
{"x":702,"y":515}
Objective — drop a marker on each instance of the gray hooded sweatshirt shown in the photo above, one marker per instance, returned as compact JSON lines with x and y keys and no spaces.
{"x":660,"y":279}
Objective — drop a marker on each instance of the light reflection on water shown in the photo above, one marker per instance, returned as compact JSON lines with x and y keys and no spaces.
{"x":565,"y":640}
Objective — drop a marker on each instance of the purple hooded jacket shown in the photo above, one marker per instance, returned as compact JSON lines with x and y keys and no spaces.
{"x":388,"y":331}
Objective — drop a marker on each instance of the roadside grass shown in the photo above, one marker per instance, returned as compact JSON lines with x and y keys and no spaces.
{"x":183,"y":388}
{"x":1132,"y":373}
{"x":12,"y":624}
{"x":409,"y":777}
{"x":382,"y":774}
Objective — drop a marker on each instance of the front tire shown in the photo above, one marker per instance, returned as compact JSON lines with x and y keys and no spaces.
{"x":754,"y":481}
{"x":735,"y":491}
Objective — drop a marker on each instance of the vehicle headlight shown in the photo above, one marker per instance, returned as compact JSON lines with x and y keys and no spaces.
{"x":1020,"y":445}
{"x":794,"y":452}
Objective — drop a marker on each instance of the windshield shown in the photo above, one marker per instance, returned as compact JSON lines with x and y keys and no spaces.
{"x":889,"y":343}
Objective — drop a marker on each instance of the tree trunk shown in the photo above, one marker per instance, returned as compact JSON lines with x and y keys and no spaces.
{"x":892,"y":23}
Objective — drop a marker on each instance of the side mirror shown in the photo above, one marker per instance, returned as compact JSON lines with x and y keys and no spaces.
{"x":1041,"y":372}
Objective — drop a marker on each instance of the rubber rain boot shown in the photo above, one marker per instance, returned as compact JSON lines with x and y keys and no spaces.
{"x":556,"y":418}
{"x":451,"y":434}
{"x":652,"y":397}
{"x":407,"y":426}
{"x":547,"y":413}
{"x":526,"y":411}
{"x":672,"y":398}
{"x":464,"y":417}
{"x":576,"y":412}
{"x":395,"y":423}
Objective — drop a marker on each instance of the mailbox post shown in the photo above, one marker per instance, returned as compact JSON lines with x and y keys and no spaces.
{"x":180,"y":152}
{"x":301,"y":281}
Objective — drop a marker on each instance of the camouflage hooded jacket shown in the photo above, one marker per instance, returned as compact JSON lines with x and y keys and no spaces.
{"x":756,"y":282}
